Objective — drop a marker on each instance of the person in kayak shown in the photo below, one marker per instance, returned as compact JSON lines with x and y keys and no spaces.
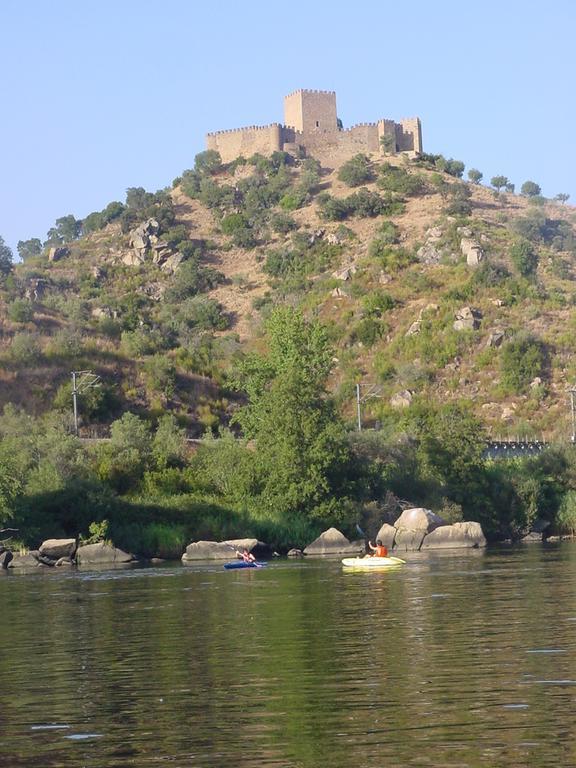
{"x":248,"y":557}
{"x":379,"y":550}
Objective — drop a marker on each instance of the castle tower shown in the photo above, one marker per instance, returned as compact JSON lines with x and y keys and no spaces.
{"x":311,"y":111}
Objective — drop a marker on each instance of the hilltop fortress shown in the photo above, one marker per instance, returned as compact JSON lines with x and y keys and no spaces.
{"x":311,"y":126}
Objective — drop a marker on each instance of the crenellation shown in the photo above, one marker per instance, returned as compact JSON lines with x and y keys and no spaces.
{"x":311,"y":125}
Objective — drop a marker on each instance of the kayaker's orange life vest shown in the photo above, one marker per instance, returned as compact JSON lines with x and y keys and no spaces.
{"x":381,"y":551}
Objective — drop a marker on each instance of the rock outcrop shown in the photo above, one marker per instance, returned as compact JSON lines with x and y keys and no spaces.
{"x":333,"y":542}
{"x":24,"y":561}
{"x":387,"y":535}
{"x":472,"y":250}
{"x":101,"y":554}
{"x":55,"y":254}
{"x":223,"y":550}
{"x":54,"y":549}
{"x":467,"y":319}
{"x":402,"y":399}
{"x":5,"y":558}
{"x":466,"y":535}
{"x":418,"y":519}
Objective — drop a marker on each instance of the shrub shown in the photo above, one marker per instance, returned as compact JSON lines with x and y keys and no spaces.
{"x":160,"y":373}
{"x":376,"y":303}
{"x":566,"y":515}
{"x":522,"y":360}
{"x":333,"y":208}
{"x":282,"y":223}
{"x":25,"y":347}
{"x":388,"y":233}
{"x":20,"y":311}
{"x":368,"y":331}
{"x":524,"y":258}
{"x":293,"y":199}
{"x":192,"y":279}
{"x":391,"y":258}
{"x":204,"y":314}
{"x":399,"y":181}
{"x":356,"y":171}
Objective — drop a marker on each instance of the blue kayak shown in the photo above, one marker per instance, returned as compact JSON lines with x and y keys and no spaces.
{"x":243,"y":564}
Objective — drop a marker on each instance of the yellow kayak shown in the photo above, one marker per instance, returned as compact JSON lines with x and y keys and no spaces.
{"x":372,"y":562}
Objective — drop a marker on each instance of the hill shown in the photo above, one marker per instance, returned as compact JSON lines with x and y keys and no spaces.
{"x":432,"y":288}
{"x":248,"y":302}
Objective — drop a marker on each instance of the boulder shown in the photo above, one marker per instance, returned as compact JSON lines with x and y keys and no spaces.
{"x":345,"y":274}
{"x":495,"y":339}
{"x":101,"y":553}
{"x":5,"y":558}
{"x":220,"y":550}
{"x":457,"y":536}
{"x":472,"y":250}
{"x":295,"y":553}
{"x":532,"y":538}
{"x":415,"y":328}
{"x":172,"y":263}
{"x":55,"y":254}
{"x":332,"y":542}
{"x":54,"y":549}
{"x":338,"y":293}
{"x":132,"y":259}
{"x":419,"y":519}
{"x":63,"y":561}
{"x":467,"y":319}
{"x":402,"y":399}
{"x":333,"y":239}
{"x":408,"y":540}
{"x":386,"y":535}
{"x":24,"y":561}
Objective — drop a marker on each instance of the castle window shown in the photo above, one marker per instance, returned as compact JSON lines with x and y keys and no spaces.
{"x":317,"y":124}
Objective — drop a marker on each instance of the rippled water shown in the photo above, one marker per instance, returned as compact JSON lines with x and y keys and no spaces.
{"x":464,"y":659}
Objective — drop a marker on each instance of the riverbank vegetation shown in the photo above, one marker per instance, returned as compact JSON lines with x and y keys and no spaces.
{"x":288,"y":468}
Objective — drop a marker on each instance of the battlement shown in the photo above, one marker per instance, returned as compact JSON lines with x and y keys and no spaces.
{"x":245,"y":128}
{"x":311,"y":125}
{"x":310,"y":90}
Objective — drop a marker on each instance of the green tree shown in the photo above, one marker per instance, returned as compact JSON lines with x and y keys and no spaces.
{"x":475,"y":175}
{"x":524,"y":257}
{"x":169,"y":443}
{"x":27,"y":249}
{"x":530,"y":189}
{"x":208,"y":162}
{"x":499,"y":182}
{"x":65,"y":230}
{"x":300,"y":448}
{"x":562,"y":197}
{"x":5,"y":258}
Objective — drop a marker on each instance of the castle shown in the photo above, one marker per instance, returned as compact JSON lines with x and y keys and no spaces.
{"x":311,"y":127}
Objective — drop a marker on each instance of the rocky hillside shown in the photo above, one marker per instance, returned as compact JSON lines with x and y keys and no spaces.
{"x":431,"y":287}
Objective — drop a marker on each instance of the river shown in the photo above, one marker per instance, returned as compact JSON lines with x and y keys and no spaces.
{"x":460,"y":659}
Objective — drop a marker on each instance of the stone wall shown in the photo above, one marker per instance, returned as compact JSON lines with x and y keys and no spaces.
{"x":246,"y":141}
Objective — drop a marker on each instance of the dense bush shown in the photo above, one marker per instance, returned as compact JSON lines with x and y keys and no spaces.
{"x":397,"y":180}
{"x":20,"y":311}
{"x":356,"y":171}
{"x":522,"y":360}
{"x":524,"y":257}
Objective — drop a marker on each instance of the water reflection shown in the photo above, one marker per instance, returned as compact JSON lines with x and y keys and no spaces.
{"x":454,"y":660}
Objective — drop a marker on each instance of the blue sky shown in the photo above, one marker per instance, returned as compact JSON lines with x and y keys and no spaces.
{"x":97,"y":96}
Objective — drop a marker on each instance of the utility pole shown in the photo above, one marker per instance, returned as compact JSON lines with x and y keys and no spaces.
{"x":573,"y":410}
{"x":82,"y":381}
{"x":373,"y":391}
